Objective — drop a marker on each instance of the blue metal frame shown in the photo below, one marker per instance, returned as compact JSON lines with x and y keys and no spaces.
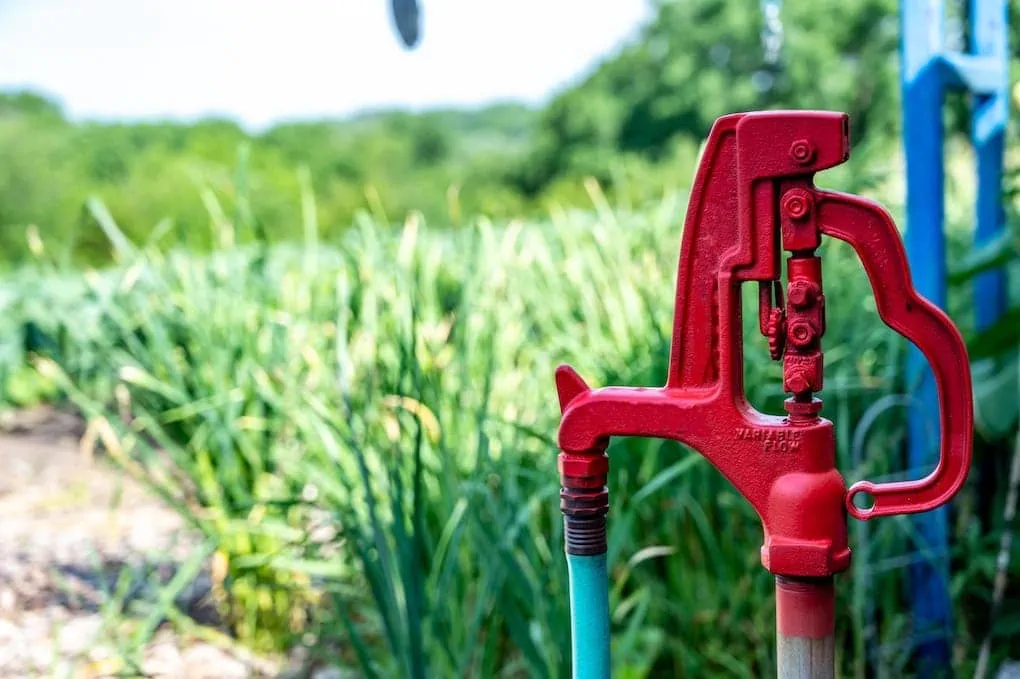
{"x":928,"y":71}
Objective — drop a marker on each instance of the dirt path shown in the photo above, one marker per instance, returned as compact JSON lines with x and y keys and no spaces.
{"x":68,"y":528}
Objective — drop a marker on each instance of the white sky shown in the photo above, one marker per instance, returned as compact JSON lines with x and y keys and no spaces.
{"x":260,"y":61}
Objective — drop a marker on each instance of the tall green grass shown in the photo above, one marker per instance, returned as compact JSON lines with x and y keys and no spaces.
{"x":363,"y":431}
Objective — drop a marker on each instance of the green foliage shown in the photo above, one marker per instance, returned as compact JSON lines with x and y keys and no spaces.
{"x":996,"y":350}
{"x":634,"y":124}
{"x":361,"y":429}
{"x":701,"y":59}
{"x":359,"y":423}
{"x":447,"y":164}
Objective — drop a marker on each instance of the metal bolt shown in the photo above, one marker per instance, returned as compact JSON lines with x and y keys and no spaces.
{"x":797,"y":204}
{"x":798,"y":382}
{"x":801,"y":412}
{"x":800,"y":294}
{"x":802,"y":151}
{"x":801,"y":334}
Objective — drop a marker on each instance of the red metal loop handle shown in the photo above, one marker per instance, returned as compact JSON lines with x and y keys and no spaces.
{"x":871,"y":231}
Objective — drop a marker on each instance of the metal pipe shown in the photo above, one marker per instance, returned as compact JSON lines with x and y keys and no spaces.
{"x":805,"y":625}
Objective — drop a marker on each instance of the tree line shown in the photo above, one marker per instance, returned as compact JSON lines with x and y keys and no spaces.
{"x":634,"y":124}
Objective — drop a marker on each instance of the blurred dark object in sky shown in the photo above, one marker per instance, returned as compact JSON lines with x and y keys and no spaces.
{"x":407,"y":17}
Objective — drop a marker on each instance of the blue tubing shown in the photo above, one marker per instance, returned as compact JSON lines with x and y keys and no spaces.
{"x":589,"y":616}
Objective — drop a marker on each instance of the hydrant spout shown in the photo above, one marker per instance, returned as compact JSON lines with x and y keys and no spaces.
{"x":592,"y":416}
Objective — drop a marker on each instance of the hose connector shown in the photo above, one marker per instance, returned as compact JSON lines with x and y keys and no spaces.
{"x":584,"y":501}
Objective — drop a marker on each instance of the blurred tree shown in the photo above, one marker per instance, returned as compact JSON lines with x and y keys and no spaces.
{"x":634,"y":123}
{"x":700,"y":59}
{"x":148,"y":172}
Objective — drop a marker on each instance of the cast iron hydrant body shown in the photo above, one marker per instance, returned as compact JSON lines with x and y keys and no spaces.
{"x":752,"y":199}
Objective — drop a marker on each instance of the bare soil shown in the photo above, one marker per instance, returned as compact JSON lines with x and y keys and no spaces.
{"x":69,"y":527}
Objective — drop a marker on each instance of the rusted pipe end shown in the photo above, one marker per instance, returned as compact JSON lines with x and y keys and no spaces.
{"x":805,"y":607}
{"x":805,"y":625}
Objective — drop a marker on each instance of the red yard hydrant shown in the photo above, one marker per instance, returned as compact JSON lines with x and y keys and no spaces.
{"x":753,"y":198}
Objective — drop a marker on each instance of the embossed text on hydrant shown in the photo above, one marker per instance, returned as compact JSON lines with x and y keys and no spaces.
{"x":772,"y":440}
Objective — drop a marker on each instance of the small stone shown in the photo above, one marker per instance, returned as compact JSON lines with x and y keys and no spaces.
{"x":164,"y":660}
{"x":12,"y":643}
{"x":8,"y":600}
{"x":204,"y":661}
{"x":78,"y":634}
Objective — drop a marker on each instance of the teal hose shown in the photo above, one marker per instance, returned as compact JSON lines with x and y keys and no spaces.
{"x":589,"y":616}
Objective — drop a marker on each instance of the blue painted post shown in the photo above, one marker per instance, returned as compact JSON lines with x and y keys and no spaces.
{"x":928,"y":70}
{"x":926,"y":248}
{"x":988,"y":22}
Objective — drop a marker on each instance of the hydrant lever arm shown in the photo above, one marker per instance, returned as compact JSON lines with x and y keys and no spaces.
{"x":871,"y":231}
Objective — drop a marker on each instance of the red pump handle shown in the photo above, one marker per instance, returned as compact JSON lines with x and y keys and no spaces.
{"x":871,"y":231}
